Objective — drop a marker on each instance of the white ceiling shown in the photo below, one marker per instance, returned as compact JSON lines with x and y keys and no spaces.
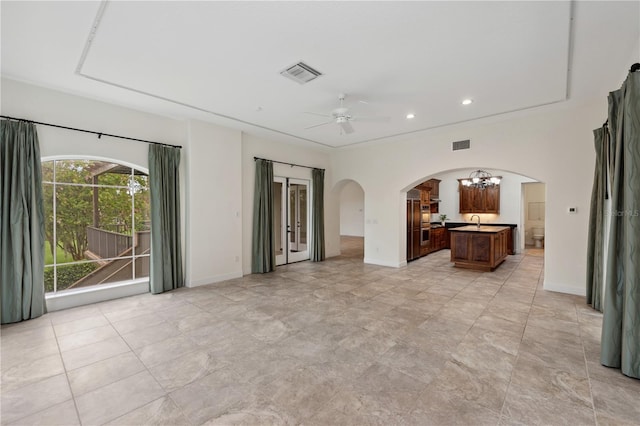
{"x":221,"y":61}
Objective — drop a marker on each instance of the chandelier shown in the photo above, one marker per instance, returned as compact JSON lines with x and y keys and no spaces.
{"x":481,"y":179}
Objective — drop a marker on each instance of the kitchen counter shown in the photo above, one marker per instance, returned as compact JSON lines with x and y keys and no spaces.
{"x":482,"y":228}
{"x":483,"y":248}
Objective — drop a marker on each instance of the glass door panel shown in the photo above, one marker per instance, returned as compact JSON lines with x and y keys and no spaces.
{"x":280,"y":219}
{"x":298,"y":220}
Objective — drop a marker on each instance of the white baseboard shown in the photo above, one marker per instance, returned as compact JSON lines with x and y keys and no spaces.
{"x":563,"y":288}
{"x":385,"y":263}
{"x":214,"y":279}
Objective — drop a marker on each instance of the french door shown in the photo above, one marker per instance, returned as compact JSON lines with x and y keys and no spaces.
{"x":291,"y":219}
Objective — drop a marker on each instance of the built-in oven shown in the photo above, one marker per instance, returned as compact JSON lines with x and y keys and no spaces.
{"x":425,"y":216}
{"x":424,"y":236}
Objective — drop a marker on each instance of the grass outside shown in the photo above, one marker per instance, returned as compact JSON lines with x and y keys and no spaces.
{"x":62,"y":256}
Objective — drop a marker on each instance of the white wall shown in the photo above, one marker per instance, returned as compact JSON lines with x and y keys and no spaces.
{"x":550,"y":144}
{"x":211,"y":177}
{"x":214,"y":203}
{"x":352,"y":210}
{"x":253,"y":146}
{"x":533,"y":193}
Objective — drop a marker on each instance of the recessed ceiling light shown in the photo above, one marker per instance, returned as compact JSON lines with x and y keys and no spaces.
{"x":410,"y":116}
{"x":467,"y":102}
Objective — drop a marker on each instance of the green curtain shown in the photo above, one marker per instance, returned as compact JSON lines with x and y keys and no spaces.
{"x":620,"y":344}
{"x":165,"y":272}
{"x":595,"y":249}
{"x":21,"y":223}
{"x":263,"y":256}
{"x":317,"y":209}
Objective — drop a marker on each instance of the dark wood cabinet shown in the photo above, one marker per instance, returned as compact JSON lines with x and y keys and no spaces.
{"x":492,"y":199}
{"x":413,"y":229}
{"x":483,"y":250}
{"x":438,"y":239}
{"x":476,"y":200}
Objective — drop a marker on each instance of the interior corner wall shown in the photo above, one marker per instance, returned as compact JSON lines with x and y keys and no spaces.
{"x":552,"y":144}
{"x":214,"y":204}
{"x":253,"y":146}
{"x":352,"y":210}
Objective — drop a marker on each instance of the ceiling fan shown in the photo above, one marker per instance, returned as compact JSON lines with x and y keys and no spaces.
{"x":343,"y":118}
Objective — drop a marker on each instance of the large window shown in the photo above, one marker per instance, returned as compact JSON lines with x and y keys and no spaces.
{"x":97,"y":223}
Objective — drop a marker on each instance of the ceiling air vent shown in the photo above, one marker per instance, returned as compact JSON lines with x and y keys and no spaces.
{"x":301,"y":73}
{"x":461,"y":145}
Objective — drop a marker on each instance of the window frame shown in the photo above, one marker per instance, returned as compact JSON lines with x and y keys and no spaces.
{"x":62,"y":299}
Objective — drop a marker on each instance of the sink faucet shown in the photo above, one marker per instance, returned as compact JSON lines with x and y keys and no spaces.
{"x":478,"y":219}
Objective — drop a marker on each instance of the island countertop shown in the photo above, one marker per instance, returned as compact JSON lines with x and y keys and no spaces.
{"x":474,"y":228}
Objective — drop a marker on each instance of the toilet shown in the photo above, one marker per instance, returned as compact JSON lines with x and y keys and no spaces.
{"x":538,"y":236}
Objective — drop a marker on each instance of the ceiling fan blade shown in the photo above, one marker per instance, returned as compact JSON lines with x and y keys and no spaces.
{"x":372,"y":119}
{"x":321,"y":124}
{"x":320,"y":115}
{"x":347,"y":127}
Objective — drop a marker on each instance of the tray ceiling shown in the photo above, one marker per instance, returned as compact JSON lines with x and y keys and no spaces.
{"x":221,"y":61}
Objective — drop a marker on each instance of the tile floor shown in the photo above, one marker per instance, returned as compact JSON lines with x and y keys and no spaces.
{"x":337,"y":342}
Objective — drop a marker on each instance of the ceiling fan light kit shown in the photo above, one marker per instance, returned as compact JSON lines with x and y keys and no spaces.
{"x":343,"y":118}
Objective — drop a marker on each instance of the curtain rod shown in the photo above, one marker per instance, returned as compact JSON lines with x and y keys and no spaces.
{"x":99,"y":134}
{"x":288,"y":164}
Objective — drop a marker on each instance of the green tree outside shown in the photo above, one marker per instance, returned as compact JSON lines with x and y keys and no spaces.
{"x":74,"y":209}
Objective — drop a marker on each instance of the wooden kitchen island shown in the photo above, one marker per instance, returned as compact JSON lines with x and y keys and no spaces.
{"x":483,"y":248}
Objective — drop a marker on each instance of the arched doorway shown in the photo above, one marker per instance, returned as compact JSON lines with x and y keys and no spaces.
{"x":352,"y":222}
{"x":511,"y":202}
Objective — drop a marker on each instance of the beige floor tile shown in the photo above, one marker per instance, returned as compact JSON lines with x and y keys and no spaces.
{"x":30,"y":372}
{"x":111,"y":401}
{"x":210,"y":396}
{"x":166,"y":350}
{"x":161,"y":412}
{"x":77,"y":326}
{"x":617,"y":401}
{"x":33,"y":398}
{"x":149,"y":335}
{"x":435,"y":407}
{"x":136,"y":323}
{"x":86,"y":337}
{"x":63,"y":414}
{"x":389,"y":387}
{"x":173,"y":375}
{"x":102,"y":373}
{"x":31,"y":351}
{"x":85,"y":355}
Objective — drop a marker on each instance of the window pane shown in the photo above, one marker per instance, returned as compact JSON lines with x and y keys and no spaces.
{"x":142,"y":266}
{"x":74,"y":205}
{"x":80,"y":171}
{"x":80,"y":275}
{"x":48,"y":279}
{"x":47,"y":198}
{"x":98,"y":229}
{"x":116,"y":175}
{"x":47,"y":171}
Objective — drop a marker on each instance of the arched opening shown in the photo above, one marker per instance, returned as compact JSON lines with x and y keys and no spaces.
{"x":352,"y":230}
{"x":446,"y":211}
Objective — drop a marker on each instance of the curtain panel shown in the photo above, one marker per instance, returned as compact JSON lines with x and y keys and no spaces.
{"x":595,"y":249}
{"x":263,"y":256}
{"x":317,"y":209}
{"x":620,"y":343}
{"x":165,"y":271}
{"x":22,"y":236}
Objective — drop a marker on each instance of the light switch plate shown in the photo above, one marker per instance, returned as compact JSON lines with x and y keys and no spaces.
{"x":572,"y":210}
